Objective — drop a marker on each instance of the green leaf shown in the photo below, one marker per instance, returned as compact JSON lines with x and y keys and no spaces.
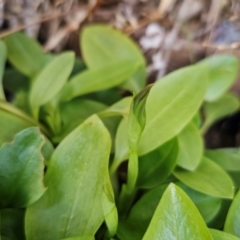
{"x":121,"y":107}
{"x":208,"y":178}
{"x":101,"y":43}
{"x":207,"y":205}
{"x":13,"y":120}
{"x":76,"y":169}
{"x":92,"y":80}
{"x":155,"y":166}
{"x":226,"y":105}
{"x":21,"y":170}
{"x":10,"y":124}
{"x":25,"y":54}
{"x":190,"y":147}
{"x":222,"y":72}
{"x":109,"y":209}
{"x":219,"y":235}
{"x":12,"y":224}
{"x":168,"y":108}
{"x":233,"y":217}
{"x":3,"y":55}
{"x":227,"y":158}
{"x":75,"y":112}
{"x":50,"y":80}
{"x":173,"y":218}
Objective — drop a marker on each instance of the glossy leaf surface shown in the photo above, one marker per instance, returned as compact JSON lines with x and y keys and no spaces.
{"x":190,"y":147}
{"x":176,"y":217}
{"x":80,"y":160}
{"x":168,"y":115}
{"x":208,"y":178}
{"x":21,"y":170}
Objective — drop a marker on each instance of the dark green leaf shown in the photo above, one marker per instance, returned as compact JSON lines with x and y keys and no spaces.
{"x":157,"y":165}
{"x":12,"y":224}
{"x":21,"y":169}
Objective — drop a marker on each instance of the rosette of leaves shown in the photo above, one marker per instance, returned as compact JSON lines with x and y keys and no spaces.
{"x":66,"y":131}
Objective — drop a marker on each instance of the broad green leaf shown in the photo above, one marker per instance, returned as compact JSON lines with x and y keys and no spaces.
{"x":101,"y":44}
{"x":222,"y":72}
{"x":227,"y":158}
{"x":121,"y":145}
{"x":220,"y":235}
{"x":207,"y":205}
{"x":92,"y":80}
{"x":226,"y":105}
{"x":25,"y":54}
{"x":168,"y":107}
{"x":3,"y":55}
{"x":233,"y":217}
{"x":173,"y":218}
{"x":22,"y":169}
{"x":190,"y":147}
{"x":208,"y":178}
{"x":76,"y":169}
{"x":155,"y":166}
{"x":121,"y":107}
{"x":50,"y":80}
{"x":12,"y":224}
